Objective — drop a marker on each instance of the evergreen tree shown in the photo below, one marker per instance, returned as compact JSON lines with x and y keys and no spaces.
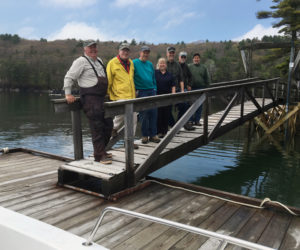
{"x":288,"y":13}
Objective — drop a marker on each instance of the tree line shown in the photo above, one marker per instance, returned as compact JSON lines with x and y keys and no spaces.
{"x":27,"y":64}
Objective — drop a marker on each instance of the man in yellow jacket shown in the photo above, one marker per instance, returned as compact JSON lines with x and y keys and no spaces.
{"x":120,"y":75}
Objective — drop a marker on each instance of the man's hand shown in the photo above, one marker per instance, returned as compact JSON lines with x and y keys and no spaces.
{"x":70,"y":98}
{"x":189,"y":88}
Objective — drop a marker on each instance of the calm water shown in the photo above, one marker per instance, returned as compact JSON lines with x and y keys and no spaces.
{"x":237,"y":162}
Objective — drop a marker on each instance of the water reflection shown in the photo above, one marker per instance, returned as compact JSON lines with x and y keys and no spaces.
{"x":259,"y":167}
{"x":239,"y":162}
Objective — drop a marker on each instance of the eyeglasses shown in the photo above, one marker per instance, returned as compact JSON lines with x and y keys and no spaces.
{"x":183,"y":56}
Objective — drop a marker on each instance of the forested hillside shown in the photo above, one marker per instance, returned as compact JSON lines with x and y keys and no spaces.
{"x":41,"y":65}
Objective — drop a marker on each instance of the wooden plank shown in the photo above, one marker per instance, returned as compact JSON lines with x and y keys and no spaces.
{"x":29,"y":196}
{"x":291,"y":239}
{"x":129,"y":145}
{"x":6,"y":175}
{"x":24,"y":162}
{"x":62,"y":199}
{"x":212,"y":223}
{"x":283,"y":119}
{"x":87,"y":172}
{"x":230,"y":227}
{"x":15,"y":187}
{"x":27,"y":178}
{"x":274,"y":233}
{"x":15,"y":193}
{"x":138,"y":233}
{"x":121,"y":221}
{"x":142,"y":150}
{"x":39,"y":200}
{"x":63,"y":211}
{"x":254,"y":228}
{"x":119,"y":156}
{"x":97,"y":167}
{"x":77,"y":134}
{"x":200,"y":208}
{"x":86,"y":221}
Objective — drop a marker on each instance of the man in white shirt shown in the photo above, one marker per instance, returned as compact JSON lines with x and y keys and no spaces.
{"x":90,"y":74}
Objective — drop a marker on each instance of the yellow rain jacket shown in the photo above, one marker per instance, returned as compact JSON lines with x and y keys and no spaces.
{"x":120,"y":82}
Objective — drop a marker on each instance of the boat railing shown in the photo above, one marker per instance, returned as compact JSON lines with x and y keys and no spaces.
{"x":225,"y":239}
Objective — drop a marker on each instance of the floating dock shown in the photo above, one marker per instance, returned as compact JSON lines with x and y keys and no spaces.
{"x":28,"y":185}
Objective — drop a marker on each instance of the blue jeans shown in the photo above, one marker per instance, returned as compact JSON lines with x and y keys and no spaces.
{"x":148,"y":118}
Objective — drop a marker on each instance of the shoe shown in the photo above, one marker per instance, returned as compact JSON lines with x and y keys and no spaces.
{"x":188,"y":127}
{"x":114,"y":133}
{"x":104,"y":160}
{"x":145,"y":140}
{"x":197,"y":124}
{"x":161,"y":135}
{"x":154,"y":139}
{"x":108,"y":155}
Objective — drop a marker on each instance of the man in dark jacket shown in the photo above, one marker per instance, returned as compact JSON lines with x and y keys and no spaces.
{"x":187,"y":79}
{"x":200,"y":80}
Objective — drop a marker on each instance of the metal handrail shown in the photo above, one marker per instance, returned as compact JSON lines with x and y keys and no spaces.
{"x":225,"y":239}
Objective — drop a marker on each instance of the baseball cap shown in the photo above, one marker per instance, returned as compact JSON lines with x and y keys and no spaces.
{"x":124,"y":46}
{"x":88,"y":43}
{"x":182,"y":53}
{"x":145,"y":48}
{"x":170,"y":49}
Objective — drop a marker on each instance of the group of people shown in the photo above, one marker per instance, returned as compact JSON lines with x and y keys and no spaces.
{"x":125,"y":79}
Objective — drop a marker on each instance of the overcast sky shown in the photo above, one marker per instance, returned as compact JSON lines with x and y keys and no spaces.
{"x":155,"y":21}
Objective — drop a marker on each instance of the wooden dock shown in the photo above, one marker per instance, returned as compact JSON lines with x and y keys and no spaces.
{"x":28,"y":185}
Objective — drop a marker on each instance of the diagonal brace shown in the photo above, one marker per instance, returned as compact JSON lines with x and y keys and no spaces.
{"x":142,"y":169}
{"x":226,"y":111}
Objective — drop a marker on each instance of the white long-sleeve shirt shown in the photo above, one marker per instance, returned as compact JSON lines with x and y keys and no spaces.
{"x":82,"y":72}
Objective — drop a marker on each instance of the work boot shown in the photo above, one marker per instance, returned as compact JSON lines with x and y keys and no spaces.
{"x":189,"y":127}
{"x":160,"y":135}
{"x":104,"y":160}
{"x":108,"y":155}
{"x":145,"y":140}
{"x":154,"y":139}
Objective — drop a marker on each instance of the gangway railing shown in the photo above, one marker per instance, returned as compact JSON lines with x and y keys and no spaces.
{"x":225,"y":239}
{"x":238,"y":91}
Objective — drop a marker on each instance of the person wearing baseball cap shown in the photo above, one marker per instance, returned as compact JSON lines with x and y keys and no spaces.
{"x":120,"y":74}
{"x":187,"y":78}
{"x":145,"y":84}
{"x":90,"y":74}
{"x":200,"y":80}
{"x":174,"y":68}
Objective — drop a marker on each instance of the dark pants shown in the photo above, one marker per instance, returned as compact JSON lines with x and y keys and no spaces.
{"x":182,"y":108}
{"x":197,"y":115}
{"x":171,"y":118}
{"x":100,"y":127}
{"x":163,"y":116}
{"x":148,"y":117}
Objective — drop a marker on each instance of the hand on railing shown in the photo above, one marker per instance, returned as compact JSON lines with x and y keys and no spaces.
{"x":70,"y":98}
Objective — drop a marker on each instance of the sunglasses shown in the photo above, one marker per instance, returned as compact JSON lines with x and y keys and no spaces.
{"x":183,"y":56}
